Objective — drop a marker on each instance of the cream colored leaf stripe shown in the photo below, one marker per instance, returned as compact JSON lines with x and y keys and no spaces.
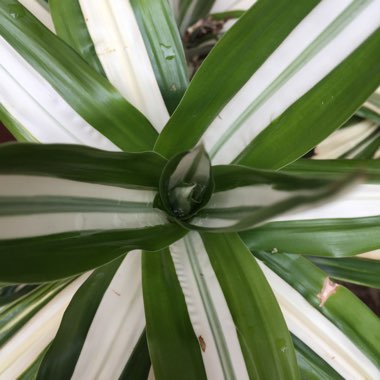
{"x":40,"y":10}
{"x":209,"y":314}
{"x":105,"y":207}
{"x":230,"y":5}
{"x":330,"y":30}
{"x":227,"y":208}
{"x":38,"y":108}
{"x":344,"y":140}
{"x":117,"y":325}
{"x":121,"y":50}
{"x":360,"y":201}
{"x":318,"y":333}
{"x":25,"y":347}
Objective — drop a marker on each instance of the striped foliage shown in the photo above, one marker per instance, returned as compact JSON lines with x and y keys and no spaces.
{"x":135,"y":44}
{"x":267,"y":101}
{"x":151,"y":278}
{"x":84,"y":224}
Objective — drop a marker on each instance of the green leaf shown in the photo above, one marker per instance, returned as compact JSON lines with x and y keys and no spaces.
{"x":70,"y":25}
{"x":355,"y":270}
{"x":79,"y":163}
{"x":198,"y":110}
{"x":139,"y":364}
{"x":264,"y":96}
{"x":168,"y":324}
{"x":330,"y":169}
{"x":75,"y":325}
{"x":46,"y":258}
{"x":68,"y":75}
{"x":323,"y":237}
{"x":339,"y":305}
{"x":186,"y":183}
{"x":258,"y":319}
{"x":330,"y":103}
{"x":164,"y":46}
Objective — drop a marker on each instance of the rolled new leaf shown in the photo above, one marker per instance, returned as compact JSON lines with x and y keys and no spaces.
{"x":186,"y":183}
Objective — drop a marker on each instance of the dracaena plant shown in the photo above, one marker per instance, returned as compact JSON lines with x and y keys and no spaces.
{"x":169,"y":228}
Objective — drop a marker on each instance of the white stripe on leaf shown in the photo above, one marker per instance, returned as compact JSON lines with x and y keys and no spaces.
{"x":117,"y":325}
{"x":35,"y":104}
{"x":40,"y":10}
{"x":226,"y":208}
{"x":317,"y":332}
{"x":343,"y":140}
{"x":209,"y":314}
{"x":253,"y":196}
{"x":29,"y":186}
{"x":325,"y":38}
{"x":360,"y":201}
{"x":128,"y":208}
{"x":230,"y":5}
{"x":121,"y":50}
{"x":372,"y":255}
{"x":17,"y":227}
{"x":24,"y":348}
{"x":151,"y":374}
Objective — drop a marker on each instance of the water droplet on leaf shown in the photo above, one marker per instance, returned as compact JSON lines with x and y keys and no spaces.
{"x":168,"y":51}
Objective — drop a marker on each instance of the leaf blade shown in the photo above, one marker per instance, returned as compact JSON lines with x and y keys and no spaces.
{"x":87,"y":92}
{"x":165,"y":315}
{"x":229,"y":255}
